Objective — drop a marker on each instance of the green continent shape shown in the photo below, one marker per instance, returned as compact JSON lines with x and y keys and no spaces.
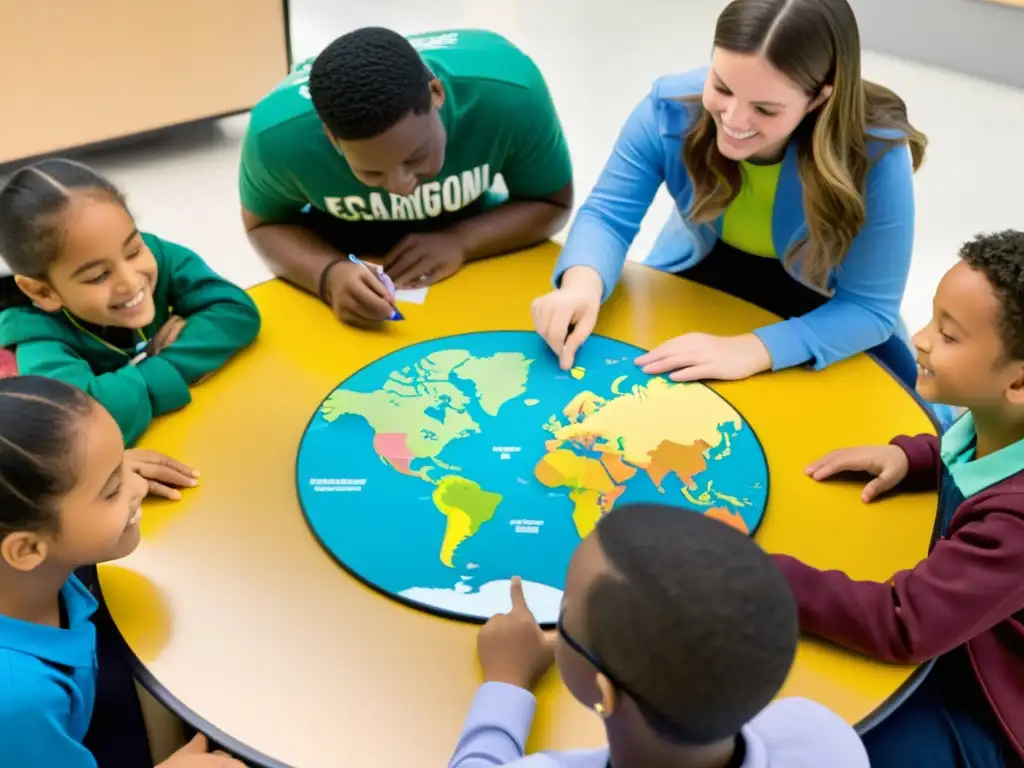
{"x":499,"y":378}
{"x":402,"y":403}
{"x":467,"y":506}
{"x":387,"y":412}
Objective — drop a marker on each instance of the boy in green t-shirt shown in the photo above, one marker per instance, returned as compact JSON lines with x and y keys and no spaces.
{"x":388,"y":147}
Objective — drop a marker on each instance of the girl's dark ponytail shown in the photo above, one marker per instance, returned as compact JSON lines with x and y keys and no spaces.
{"x":39,"y":420}
{"x":31,"y":204}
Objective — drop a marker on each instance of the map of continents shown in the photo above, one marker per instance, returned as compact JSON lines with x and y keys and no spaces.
{"x":420,"y":409}
{"x":467,"y":460}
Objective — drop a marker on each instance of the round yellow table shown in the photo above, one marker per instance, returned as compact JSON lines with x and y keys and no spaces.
{"x":246,"y":628}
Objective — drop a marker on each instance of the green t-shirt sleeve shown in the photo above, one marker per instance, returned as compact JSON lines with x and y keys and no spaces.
{"x":266,"y":190}
{"x":538,"y":162}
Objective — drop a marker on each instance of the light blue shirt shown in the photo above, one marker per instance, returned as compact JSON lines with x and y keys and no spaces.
{"x":789,"y":733}
{"x":866,"y":289}
{"x":48,"y":686}
{"x":971,"y":475}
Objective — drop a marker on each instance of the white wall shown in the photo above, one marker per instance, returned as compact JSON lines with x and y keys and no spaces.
{"x":975,"y":37}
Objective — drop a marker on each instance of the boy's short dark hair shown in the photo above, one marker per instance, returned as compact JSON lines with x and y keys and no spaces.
{"x":366,"y":81}
{"x":1000,"y":257}
{"x":693,"y":617}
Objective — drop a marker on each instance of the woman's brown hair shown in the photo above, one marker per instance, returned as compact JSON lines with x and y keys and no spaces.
{"x":816,"y":44}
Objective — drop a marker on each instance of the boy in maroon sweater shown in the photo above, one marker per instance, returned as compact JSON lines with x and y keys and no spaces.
{"x":963,"y":605}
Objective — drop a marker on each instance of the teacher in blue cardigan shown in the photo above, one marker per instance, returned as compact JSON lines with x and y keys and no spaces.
{"x":793,"y":184}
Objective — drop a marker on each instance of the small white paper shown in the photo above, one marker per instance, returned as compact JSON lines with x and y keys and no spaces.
{"x":411,"y":295}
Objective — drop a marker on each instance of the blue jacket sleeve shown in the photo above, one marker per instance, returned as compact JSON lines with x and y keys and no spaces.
{"x":610,"y":218}
{"x":31,"y":732}
{"x":864,"y":310}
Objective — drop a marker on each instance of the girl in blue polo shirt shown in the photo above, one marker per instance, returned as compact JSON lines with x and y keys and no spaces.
{"x":70,"y":497}
{"x":793,"y":184}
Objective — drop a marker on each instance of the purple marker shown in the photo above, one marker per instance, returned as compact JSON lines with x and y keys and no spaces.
{"x":384,"y":279}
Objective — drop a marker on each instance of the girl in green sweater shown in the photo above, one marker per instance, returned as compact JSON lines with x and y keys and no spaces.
{"x":130,"y":318}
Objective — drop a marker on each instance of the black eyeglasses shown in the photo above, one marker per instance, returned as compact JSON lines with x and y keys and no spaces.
{"x":659,"y":722}
{"x":650,"y":711}
{"x":594,"y":661}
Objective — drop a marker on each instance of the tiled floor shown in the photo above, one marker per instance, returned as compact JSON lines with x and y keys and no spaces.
{"x":600,"y":60}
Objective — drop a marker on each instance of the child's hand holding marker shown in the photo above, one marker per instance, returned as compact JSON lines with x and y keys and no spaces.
{"x":359,"y":293}
{"x":385,"y":281}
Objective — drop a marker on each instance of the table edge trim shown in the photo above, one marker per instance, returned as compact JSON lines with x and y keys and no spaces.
{"x":914,"y":680}
{"x":160,"y":692}
{"x":900,"y":695}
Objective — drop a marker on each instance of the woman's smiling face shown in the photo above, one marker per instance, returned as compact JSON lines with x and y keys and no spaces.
{"x":755,"y":107}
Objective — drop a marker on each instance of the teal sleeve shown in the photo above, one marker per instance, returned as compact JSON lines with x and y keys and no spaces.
{"x":220,"y":318}
{"x":266,"y":191}
{"x":538,"y":162}
{"x":133,"y":394}
{"x":32,"y":731}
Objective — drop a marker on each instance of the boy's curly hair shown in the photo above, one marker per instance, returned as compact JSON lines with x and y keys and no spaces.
{"x":1000,"y":257}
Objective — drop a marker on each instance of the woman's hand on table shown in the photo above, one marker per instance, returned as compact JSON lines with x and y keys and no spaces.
{"x":565,"y":317}
{"x":356,"y":295}
{"x":196,"y":754}
{"x":513,"y":648}
{"x":888,"y":463}
{"x":164,"y":474}
{"x":698,"y":356}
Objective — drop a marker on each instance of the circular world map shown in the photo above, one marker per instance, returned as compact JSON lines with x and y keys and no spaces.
{"x":442,"y":470}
